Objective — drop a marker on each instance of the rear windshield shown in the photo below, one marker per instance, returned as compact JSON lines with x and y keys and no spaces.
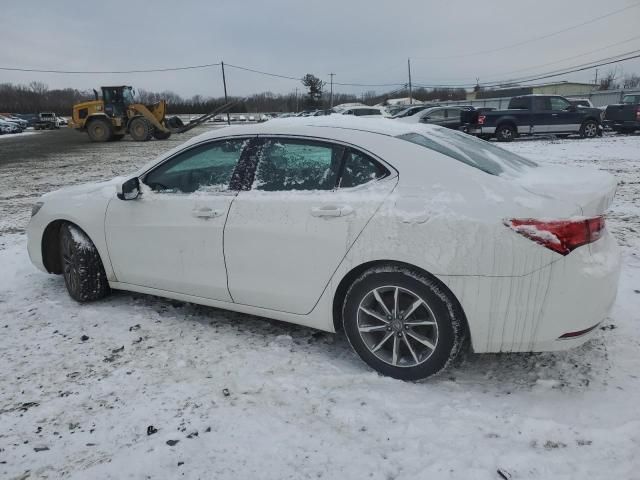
{"x":471,"y":151}
{"x":631,"y":99}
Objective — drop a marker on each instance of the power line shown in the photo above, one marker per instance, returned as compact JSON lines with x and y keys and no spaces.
{"x":540,"y":76}
{"x":574,"y":56}
{"x":91,"y":72}
{"x":534,"y":39}
{"x":577,"y":68}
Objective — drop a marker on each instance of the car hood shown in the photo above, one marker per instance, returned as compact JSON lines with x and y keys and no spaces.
{"x":108,"y":189}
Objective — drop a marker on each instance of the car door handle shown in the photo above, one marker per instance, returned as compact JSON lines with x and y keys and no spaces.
{"x":331,"y":211}
{"x":206,"y":212}
{"x":554,"y":114}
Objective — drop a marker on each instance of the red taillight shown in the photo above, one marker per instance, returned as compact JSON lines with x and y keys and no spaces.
{"x":481,"y":119}
{"x":638,"y":113}
{"x":561,"y":236}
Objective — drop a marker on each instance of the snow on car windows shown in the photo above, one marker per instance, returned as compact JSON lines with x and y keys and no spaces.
{"x":297,"y":165}
{"x":471,"y":151}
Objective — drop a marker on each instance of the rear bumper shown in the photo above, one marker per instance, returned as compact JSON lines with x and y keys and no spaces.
{"x":473,"y":130}
{"x":531,"y":313}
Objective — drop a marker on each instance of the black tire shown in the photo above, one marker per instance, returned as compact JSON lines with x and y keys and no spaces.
{"x":117,"y":137}
{"x":140,"y":129}
{"x":414,"y":360}
{"x":505,"y":133}
{"x":589,"y":129}
{"x":100,"y":130}
{"x":82,"y":267}
{"x":160,"y":135}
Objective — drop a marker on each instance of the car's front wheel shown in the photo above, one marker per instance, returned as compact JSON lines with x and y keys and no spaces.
{"x":402,"y":323}
{"x":82,"y":267}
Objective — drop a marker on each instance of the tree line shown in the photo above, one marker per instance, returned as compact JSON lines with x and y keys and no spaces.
{"x":37,"y":97}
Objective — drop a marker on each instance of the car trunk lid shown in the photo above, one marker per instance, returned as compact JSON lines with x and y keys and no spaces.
{"x":591,"y":190}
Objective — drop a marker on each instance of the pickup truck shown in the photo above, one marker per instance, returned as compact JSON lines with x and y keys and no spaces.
{"x":624,"y":117}
{"x":46,"y":121}
{"x":536,"y":115}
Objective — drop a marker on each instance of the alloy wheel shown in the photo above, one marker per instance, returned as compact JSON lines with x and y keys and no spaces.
{"x":397,"y":326}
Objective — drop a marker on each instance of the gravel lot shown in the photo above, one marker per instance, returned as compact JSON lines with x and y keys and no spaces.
{"x":239,"y":397}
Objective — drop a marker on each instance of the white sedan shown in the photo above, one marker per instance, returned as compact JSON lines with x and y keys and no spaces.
{"x":412,"y":239}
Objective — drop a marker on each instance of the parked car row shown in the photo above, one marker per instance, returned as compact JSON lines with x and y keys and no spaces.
{"x":525,"y":115}
{"x":11,"y":124}
{"x":37,"y":121}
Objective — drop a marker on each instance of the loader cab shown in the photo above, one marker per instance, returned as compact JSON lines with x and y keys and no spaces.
{"x":116,"y":100}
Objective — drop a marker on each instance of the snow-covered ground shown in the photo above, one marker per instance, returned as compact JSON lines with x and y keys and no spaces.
{"x":238,"y":397}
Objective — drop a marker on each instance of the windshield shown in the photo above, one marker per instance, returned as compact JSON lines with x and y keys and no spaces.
{"x":471,"y":151}
{"x":127,"y":96}
{"x":631,"y":99}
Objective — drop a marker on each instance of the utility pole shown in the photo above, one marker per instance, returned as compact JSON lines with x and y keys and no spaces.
{"x":331,"y":103}
{"x":410,"y":90}
{"x":226,"y":100}
{"x":296,"y":99}
{"x":596,"y":80}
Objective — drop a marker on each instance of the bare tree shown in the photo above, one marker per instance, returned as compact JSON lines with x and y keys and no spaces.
{"x":631,"y":81}
{"x":608,"y":82}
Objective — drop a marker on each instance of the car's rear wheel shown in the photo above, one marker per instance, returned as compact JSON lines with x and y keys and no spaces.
{"x":82,"y":268}
{"x":402,"y":323}
{"x":505,"y":133}
{"x":589,"y":129}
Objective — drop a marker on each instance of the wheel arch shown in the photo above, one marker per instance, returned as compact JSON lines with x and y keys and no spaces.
{"x":507,"y":121}
{"x":50,"y":245}
{"x":348,"y":279}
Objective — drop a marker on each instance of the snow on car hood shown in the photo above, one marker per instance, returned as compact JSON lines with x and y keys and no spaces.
{"x":107,"y":188}
{"x":590,"y":189}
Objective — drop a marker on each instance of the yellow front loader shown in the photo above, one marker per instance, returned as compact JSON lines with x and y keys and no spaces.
{"x":117,"y":114}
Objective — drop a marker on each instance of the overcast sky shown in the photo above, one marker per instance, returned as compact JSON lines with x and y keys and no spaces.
{"x":360,"y":41}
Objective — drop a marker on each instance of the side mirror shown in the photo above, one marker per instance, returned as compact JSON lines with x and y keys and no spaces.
{"x":572,"y":108}
{"x":130,"y":190}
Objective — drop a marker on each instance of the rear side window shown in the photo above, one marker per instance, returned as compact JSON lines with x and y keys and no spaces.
{"x":471,"y":151}
{"x":541,"y":103}
{"x":360,"y":169}
{"x":297,"y":165}
{"x":519,"y":103}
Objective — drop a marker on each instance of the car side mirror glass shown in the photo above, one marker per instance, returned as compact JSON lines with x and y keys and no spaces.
{"x":130,"y":190}
{"x":572,"y":108}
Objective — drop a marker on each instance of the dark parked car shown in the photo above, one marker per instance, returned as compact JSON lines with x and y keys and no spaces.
{"x":450,"y":117}
{"x":624,"y":117}
{"x":537,"y":115}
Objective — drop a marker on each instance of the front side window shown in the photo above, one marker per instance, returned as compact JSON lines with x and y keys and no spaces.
{"x":559,"y":104}
{"x":360,"y":169}
{"x":291,"y":164}
{"x":207,"y":167}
